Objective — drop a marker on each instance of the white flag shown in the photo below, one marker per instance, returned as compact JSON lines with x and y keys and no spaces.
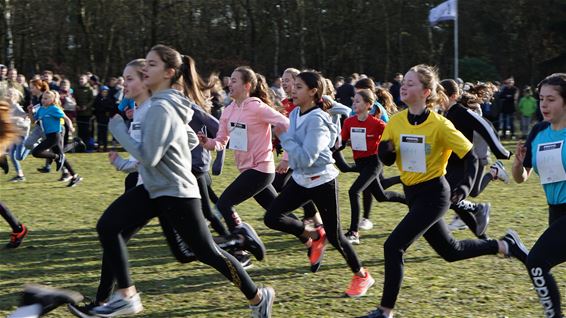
{"x":443,"y":12}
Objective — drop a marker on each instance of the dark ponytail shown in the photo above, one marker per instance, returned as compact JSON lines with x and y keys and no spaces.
{"x":314,"y":80}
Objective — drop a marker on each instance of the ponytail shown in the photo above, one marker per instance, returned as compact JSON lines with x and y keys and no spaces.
{"x":314,"y":80}
{"x":192,"y":83}
{"x":258,"y":84}
{"x":428,"y":76}
{"x":385,"y":98}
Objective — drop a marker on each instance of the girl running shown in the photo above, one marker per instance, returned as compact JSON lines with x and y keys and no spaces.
{"x":420,"y":141}
{"x":50,"y":115}
{"x":364,"y":133}
{"x":544,"y":152}
{"x":9,"y":133}
{"x":308,"y":140}
{"x":169,"y":190}
{"x":246,"y":123}
{"x":17,"y":151}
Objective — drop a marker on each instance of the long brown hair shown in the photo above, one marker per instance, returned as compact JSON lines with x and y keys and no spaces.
{"x":258,"y":84}
{"x":8,"y":131}
{"x":385,"y":98}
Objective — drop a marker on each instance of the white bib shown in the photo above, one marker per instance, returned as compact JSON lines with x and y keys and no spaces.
{"x":549,"y":162}
{"x":238,"y":137}
{"x":413,"y":155}
{"x":135,"y":131}
{"x":358,"y":138}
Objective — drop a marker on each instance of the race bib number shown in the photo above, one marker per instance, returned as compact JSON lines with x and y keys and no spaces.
{"x":135,"y":131}
{"x":238,"y":137}
{"x":549,"y":162}
{"x":413,"y":155}
{"x":358,"y":139}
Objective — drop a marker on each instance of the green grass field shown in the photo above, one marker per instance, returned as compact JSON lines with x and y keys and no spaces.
{"x":62,"y":250}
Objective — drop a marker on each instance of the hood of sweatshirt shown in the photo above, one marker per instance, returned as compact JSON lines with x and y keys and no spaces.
{"x":181,"y":105}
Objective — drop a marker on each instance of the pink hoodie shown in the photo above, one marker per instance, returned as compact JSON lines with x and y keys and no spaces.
{"x":258,"y":118}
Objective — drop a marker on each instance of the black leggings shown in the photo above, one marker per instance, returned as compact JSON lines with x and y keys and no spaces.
{"x":325,"y":197}
{"x":369,"y":168}
{"x":211,"y":194}
{"x":428,"y":202}
{"x":215,"y":222}
{"x":134,"y":209}
{"x":15,"y":225}
{"x":281,"y":180}
{"x":367,"y":198}
{"x":481,"y":182}
{"x":549,"y":251}
{"x":250,"y":183}
{"x":51,"y":148}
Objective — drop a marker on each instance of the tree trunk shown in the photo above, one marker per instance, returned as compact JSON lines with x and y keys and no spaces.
{"x":301,"y":9}
{"x":9,"y":39}
{"x":82,"y":18}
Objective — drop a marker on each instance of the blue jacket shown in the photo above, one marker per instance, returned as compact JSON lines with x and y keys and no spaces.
{"x":50,"y":118}
{"x":205,"y":122}
{"x":308,"y":143}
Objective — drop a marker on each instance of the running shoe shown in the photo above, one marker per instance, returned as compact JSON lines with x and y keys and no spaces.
{"x":48,"y":297}
{"x":119,"y":305}
{"x":65,"y":177}
{"x":16,"y":238}
{"x":45,"y":169}
{"x":482,"y":218}
{"x":515,"y":246}
{"x":252,"y":242}
{"x":316,"y":251}
{"x":457,"y":224}
{"x":74,"y":181}
{"x":82,"y":310}
{"x":500,"y":172}
{"x":366,"y":224}
{"x":244,"y":259}
{"x":18,"y":179}
{"x":378,"y":313}
{"x":353,"y":237}
{"x":360,"y":285}
{"x":265,"y":306}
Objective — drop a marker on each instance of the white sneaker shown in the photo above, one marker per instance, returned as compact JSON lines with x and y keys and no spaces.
{"x":353,"y":237}
{"x":457,"y":224}
{"x":119,"y":306}
{"x":366,"y":224}
{"x":264,"y":308}
{"x":500,"y":172}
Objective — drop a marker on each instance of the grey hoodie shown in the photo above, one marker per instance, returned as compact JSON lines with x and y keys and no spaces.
{"x":165,"y":150}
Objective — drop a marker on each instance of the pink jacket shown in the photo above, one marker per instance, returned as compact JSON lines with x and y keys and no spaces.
{"x":258,"y":118}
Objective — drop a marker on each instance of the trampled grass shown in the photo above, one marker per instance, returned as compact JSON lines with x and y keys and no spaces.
{"x":62,"y":250}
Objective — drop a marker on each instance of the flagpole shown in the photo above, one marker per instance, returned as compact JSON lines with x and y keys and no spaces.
{"x":456,"y":73}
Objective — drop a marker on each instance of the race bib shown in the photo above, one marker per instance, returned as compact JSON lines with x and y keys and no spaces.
{"x":413,"y":156}
{"x":549,"y":162}
{"x":135,"y":131}
{"x":358,"y":139}
{"x":238,"y":137}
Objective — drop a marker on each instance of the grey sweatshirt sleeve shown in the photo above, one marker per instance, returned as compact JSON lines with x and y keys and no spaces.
{"x":314,"y":142}
{"x":156,"y":136}
{"x":193,"y":138}
{"x":125,"y":165}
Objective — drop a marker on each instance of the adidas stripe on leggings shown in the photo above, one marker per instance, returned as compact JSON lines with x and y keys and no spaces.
{"x":428,"y":202}
{"x":250,"y":183}
{"x":549,"y":251}
{"x":134,"y":209}
{"x":325,"y":197}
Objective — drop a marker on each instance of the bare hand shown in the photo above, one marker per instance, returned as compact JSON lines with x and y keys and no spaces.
{"x":112,"y":155}
{"x":282,"y":167}
{"x":202,"y":138}
{"x":279,"y":129}
{"x":520,"y":152}
{"x":129,"y":113}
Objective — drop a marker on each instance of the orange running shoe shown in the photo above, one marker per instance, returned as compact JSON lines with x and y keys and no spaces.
{"x":16,"y":238}
{"x":360,"y":285}
{"x":316,"y":251}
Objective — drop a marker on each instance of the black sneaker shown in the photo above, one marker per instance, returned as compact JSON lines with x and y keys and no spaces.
{"x":378,"y":313}
{"x":45,"y":169}
{"x":82,"y":310}
{"x":48,"y":297}
{"x":18,"y":179}
{"x":515,"y":247}
{"x":252,"y":242}
{"x":482,"y":218}
{"x":59,"y":162}
{"x":4,"y":163}
{"x":244,"y":259}
{"x":74,"y":181}
{"x":65,"y":177}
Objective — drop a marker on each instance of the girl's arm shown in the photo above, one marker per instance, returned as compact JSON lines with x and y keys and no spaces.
{"x":306,"y":154}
